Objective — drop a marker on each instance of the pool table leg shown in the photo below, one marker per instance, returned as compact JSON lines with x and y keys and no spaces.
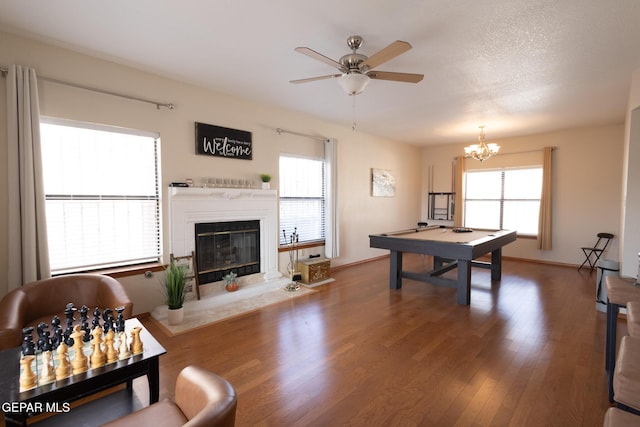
{"x":496,"y":264}
{"x":395,"y":270}
{"x":463,"y":296}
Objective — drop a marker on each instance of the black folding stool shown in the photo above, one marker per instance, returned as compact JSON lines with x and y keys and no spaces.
{"x":595,"y":251}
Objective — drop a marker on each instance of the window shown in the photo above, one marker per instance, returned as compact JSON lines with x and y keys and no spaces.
{"x":302,"y":198}
{"x":102,"y":196}
{"x":503,"y":199}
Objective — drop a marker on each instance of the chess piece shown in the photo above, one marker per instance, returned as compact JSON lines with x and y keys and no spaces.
{"x":136,"y":343}
{"x":56,"y":332}
{"x":112,"y":353}
{"x":69,"y":312}
{"x":57,"y":338}
{"x":84,"y":314}
{"x":47,"y":374}
{"x":27,"y":377}
{"x":42,"y":340}
{"x":112,"y":322}
{"x":120,"y":319}
{"x":123,"y":349}
{"x":96,"y":318}
{"x":107,"y":317}
{"x":84,"y":323}
{"x":63,"y":370}
{"x":28,"y":346}
{"x":46,"y":346}
{"x":79,"y":364}
{"x":97,"y":358}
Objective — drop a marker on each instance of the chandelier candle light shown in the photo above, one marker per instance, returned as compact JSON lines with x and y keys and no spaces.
{"x":481,"y":151}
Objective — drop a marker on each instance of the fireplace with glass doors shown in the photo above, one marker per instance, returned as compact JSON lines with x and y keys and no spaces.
{"x":225,"y":247}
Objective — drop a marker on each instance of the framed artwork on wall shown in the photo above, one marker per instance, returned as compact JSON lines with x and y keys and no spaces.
{"x":219,"y":141}
{"x":383,"y":183}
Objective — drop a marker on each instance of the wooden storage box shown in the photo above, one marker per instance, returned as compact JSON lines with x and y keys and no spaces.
{"x":314,"y":270}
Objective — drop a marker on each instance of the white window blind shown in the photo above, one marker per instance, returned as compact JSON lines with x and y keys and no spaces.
{"x":302,"y":198}
{"x":102,"y":195}
{"x":503,"y":199}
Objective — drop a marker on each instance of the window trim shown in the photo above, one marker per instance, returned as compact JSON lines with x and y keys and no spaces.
{"x":307,"y":243}
{"x":501,"y":201}
{"x":133,"y":266}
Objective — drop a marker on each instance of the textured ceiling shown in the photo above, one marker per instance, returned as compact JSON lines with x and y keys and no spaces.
{"x":517,"y":67}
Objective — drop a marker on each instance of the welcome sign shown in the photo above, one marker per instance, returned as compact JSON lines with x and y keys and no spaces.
{"x":223,"y":142}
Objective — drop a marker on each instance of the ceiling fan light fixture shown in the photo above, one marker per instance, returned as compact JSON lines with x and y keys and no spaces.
{"x":353,"y":83}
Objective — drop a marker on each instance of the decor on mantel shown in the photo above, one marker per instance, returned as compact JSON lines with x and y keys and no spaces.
{"x":266,"y":179}
{"x":208,"y":182}
{"x":481,"y":151}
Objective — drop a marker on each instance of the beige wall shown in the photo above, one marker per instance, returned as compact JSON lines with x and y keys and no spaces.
{"x":587,"y":185}
{"x":360,"y":214}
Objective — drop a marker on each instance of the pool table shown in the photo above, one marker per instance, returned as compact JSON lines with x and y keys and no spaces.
{"x":450,"y":249}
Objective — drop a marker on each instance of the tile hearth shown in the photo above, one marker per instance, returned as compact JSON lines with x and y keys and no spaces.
{"x":217,"y":304}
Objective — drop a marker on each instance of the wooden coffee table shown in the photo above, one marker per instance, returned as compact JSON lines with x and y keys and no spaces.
{"x":19,"y":406}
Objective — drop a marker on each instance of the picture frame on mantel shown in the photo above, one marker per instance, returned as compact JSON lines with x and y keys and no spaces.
{"x":219,"y":141}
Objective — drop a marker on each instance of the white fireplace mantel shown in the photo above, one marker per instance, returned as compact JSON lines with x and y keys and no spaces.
{"x":189,"y":206}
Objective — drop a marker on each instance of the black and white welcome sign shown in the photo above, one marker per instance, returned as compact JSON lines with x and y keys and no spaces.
{"x":223,"y":142}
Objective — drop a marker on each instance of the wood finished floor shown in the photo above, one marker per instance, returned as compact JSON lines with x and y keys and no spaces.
{"x":528,"y":351}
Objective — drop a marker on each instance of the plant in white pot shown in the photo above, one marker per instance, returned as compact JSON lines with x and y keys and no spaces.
{"x":266,"y":179}
{"x":175,"y":279}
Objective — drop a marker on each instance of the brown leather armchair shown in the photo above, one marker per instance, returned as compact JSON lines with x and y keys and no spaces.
{"x":39,"y":301}
{"x":203,"y":399}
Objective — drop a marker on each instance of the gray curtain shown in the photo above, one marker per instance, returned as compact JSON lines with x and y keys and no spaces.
{"x":28,"y":250}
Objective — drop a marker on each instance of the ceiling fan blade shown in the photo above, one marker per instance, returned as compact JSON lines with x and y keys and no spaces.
{"x":313,"y":79}
{"x":320,"y":57}
{"x":394,"y":49}
{"x":396,"y":77}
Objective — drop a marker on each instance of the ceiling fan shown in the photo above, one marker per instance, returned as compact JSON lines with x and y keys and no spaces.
{"x":356,"y":69}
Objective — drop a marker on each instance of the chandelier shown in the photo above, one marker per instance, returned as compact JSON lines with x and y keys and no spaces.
{"x":481,"y":151}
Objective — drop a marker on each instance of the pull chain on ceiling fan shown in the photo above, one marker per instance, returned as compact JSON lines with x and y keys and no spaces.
{"x":356,"y":70}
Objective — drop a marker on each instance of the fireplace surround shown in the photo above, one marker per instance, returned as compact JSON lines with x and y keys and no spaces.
{"x":189,"y":206}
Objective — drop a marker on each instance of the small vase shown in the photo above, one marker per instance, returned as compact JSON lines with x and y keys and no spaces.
{"x":266,"y":185}
{"x":231,"y":287}
{"x":175,"y":316}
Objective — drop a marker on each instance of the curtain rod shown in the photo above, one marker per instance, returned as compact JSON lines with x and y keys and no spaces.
{"x":319,"y":138}
{"x":525,"y":151}
{"x":169,"y":106}
{"x":518,"y":152}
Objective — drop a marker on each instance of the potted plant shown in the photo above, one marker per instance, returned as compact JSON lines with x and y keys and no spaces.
{"x":266,"y":179}
{"x":175,"y":279}
{"x":230,"y":283}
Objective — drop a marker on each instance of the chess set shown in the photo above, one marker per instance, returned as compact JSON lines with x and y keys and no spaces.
{"x":74,"y":349}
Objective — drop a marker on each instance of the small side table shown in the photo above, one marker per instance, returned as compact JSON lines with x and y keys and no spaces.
{"x":314,"y":270}
{"x":620,"y":291}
